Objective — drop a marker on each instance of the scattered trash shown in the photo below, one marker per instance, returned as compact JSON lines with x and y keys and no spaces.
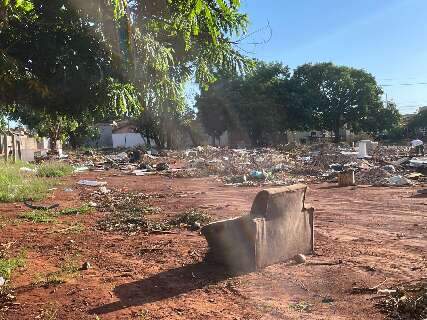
{"x":27,"y":170}
{"x":285,"y":165}
{"x":375,"y":176}
{"x":143,"y":172}
{"x":389,"y":168}
{"x":81,"y":169}
{"x":2,"y":281}
{"x":257,"y":174}
{"x":68,"y":190}
{"x":104,"y":190}
{"x":414,"y":175}
{"x":162,"y":166}
{"x":92,"y":183}
{"x":86,"y":266}
{"x":406,"y":302}
{"x":399,"y":181}
{"x":418,"y":162}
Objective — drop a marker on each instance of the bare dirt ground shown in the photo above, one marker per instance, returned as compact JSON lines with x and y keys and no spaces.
{"x":378,"y":233}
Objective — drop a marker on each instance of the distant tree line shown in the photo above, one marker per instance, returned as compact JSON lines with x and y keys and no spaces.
{"x":270,"y":100}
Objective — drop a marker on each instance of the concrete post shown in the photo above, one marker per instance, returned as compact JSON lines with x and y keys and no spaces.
{"x":5,"y":148}
{"x":13,"y":148}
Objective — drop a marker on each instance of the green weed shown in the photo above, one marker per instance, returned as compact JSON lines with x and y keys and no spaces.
{"x":68,"y":269}
{"x":192,"y":216}
{"x":18,"y":186}
{"x":7,"y":266}
{"x":54,"y":169}
{"x":75,"y":211}
{"x":38,"y":216}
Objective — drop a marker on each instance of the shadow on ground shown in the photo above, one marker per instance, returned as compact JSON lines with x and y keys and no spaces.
{"x":164,"y":285}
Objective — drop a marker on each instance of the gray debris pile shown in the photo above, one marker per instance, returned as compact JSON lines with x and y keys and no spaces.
{"x":290,"y":164}
{"x":375,"y":176}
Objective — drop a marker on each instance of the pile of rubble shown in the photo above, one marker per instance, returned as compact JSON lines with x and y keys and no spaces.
{"x":386,"y":165}
{"x":376,"y":176}
{"x":408,"y":302}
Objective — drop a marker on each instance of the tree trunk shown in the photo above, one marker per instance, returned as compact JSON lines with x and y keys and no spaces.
{"x":192,"y":138}
{"x":337,"y":138}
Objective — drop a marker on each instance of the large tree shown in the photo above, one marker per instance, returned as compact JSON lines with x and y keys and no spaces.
{"x":418,"y":123}
{"x":216,"y":108}
{"x":262,"y":104}
{"x":59,"y":68}
{"x":129,"y":55}
{"x":338,"y":96}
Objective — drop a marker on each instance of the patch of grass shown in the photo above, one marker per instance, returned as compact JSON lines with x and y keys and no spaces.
{"x":68,"y":269}
{"x":191,"y":217}
{"x":49,"y":312}
{"x":75,"y":211}
{"x":38,"y":216}
{"x":54,"y":169}
{"x":131,"y":223}
{"x":7,"y":266}
{"x":17,"y":185}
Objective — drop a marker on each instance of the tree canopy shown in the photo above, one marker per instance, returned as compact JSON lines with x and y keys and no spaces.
{"x":268,"y":101}
{"x":257,"y":103}
{"x":339,"y":95}
{"x":111,"y":58}
{"x":418,"y":123}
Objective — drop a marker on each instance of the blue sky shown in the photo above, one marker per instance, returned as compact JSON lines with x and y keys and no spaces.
{"x":388,"y":38}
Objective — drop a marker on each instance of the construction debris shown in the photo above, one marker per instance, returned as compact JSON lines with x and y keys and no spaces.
{"x":282,"y":166}
{"x":92,"y":183}
{"x":406,"y":302}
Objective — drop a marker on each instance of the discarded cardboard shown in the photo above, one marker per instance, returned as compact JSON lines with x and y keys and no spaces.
{"x":277,"y":228}
{"x":346,"y":178}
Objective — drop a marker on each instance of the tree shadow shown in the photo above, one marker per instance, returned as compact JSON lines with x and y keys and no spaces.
{"x":164,"y":285}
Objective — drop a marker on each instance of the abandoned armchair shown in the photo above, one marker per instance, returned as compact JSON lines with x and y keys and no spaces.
{"x":277,"y":228}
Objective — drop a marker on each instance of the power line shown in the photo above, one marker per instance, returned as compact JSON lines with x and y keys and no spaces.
{"x":403,"y":84}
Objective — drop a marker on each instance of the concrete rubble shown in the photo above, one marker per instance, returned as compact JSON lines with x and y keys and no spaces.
{"x":282,"y":166}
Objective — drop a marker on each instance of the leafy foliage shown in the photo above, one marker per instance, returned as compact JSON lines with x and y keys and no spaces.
{"x":8,"y":265}
{"x":339,"y":95}
{"x":418,"y":122}
{"x":268,"y":101}
{"x":54,"y":169}
{"x":256,"y":103}
{"x":108,"y":59}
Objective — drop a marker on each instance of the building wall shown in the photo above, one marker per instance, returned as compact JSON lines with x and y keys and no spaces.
{"x":127,"y":140}
{"x":27,"y":145}
{"x":105,"y":136}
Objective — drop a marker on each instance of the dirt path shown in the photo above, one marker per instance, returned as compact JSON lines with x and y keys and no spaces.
{"x":377,"y":233}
